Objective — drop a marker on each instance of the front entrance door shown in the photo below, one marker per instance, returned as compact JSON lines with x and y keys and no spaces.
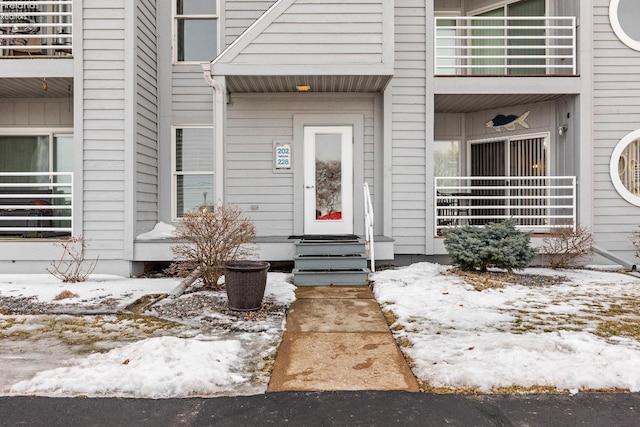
{"x":328,"y":180}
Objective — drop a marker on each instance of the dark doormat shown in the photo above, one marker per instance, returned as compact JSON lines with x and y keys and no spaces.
{"x":326,"y":237}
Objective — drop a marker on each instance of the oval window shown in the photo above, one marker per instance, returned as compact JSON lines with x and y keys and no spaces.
{"x":625,"y":167}
{"x":624,"y":16}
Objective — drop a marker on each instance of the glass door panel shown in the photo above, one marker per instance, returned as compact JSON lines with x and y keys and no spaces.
{"x":328,"y":182}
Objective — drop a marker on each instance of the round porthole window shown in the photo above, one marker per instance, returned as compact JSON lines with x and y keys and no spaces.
{"x":625,"y":167}
{"x":624,"y":16}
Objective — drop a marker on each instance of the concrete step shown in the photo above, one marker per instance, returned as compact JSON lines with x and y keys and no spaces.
{"x":326,"y":277}
{"x":330,"y":247}
{"x":351,"y":261}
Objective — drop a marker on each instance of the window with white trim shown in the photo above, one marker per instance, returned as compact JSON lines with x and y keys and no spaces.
{"x":624,"y":16}
{"x":446,"y":158}
{"x":516,"y":47}
{"x":195,"y":30}
{"x":625,"y":167}
{"x":35,"y":151}
{"x":192,"y":169}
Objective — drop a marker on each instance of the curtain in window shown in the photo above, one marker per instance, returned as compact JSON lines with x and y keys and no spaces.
{"x":488,"y":159}
{"x":24,"y":154}
{"x":446,"y":47}
{"x":527,"y":8}
{"x":516,"y":157}
{"x":496,"y":37}
{"x":528,"y":157}
{"x":484,"y":45}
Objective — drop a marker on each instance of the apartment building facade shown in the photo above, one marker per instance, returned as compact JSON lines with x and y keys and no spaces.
{"x":119,"y":116}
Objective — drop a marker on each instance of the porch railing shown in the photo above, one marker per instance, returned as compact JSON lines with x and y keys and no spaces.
{"x":36,"y":204}
{"x":368,"y":226}
{"x":481,"y":45}
{"x":36,"y":28}
{"x":540,"y":204}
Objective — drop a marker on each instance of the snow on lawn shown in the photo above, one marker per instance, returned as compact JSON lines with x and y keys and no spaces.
{"x":100,"y":289}
{"x":133,"y":356}
{"x":579,"y":334}
{"x":156,"y":368}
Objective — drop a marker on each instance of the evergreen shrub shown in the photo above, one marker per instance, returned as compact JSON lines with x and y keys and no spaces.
{"x":498,"y":245}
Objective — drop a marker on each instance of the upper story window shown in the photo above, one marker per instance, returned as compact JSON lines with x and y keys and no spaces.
{"x":196,"y":30}
{"x":624,"y":16}
{"x":500,"y":43}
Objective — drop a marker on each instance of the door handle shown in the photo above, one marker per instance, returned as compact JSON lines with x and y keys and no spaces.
{"x":309,"y":186}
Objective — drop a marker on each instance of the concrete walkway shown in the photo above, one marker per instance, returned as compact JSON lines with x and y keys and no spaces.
{"x":337,"y":339}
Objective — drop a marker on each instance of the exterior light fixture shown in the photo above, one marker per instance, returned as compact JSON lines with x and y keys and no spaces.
{"x":303,"y":88}
{"x":45,"y":86}
{"x":563,"y":129}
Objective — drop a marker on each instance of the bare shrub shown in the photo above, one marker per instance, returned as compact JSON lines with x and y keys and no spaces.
{"x":71,"y":267}
{"x":66,"y":294}
{"x":564,"y":248}
{"x":635,"y":239}
{"x":213,"y":236}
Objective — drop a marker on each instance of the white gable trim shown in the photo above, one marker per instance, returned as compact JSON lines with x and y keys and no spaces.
{"x":250,"y":34}
{"x":224,"y":63}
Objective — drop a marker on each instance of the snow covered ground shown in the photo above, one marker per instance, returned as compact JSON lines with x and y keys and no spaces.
{"x":206,"y":352}
{"x":578,"y":334}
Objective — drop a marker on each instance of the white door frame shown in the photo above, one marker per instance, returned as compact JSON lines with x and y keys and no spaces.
{"x":302,"y":120}
{"x":343,"y":224}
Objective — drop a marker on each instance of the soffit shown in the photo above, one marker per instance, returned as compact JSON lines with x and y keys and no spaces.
{"x":59,"y":87}
{"x":269,"y":84}
{"x":471,"y":103}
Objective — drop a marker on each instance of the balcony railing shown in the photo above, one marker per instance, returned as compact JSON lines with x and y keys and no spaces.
{"x":37,"y":204}
{"x":35,"y":28}
{"x":540,"y":204}
{"x":480,"y":45}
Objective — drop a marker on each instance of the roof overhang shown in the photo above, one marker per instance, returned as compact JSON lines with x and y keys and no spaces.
{"x":316,"y":83}
{"x":470,"y":103}
{"x":330,"y":47}
{"x":33,"y":87}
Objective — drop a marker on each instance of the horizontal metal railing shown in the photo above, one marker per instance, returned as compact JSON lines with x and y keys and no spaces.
{"x":368,"y":226}
{"x":36,"y":28}
{"x":536,"y":203}
{"x":479,"y":45}
{"x":36,"y":204}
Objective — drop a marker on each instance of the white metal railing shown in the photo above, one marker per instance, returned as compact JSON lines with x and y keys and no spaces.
{"x":36,"y":204}
{"x":36,"y":28}
{"x":536,"y":203}
{"x":368,"y":226}
{"x":482,"y":45}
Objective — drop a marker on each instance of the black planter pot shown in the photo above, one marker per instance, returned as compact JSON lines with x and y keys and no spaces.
{"x":245,"y":282}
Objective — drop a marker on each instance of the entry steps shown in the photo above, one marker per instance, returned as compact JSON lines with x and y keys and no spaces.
{"x":324,"y":262}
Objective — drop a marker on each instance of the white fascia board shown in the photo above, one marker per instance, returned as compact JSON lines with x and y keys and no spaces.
{"x":307,"y":69}
{"x":507,"y":85}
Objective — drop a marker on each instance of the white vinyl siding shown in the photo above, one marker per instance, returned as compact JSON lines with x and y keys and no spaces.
{"x":191,"y":98}
{"x":255,"y":122}
{"x":315,"y":32}
{"x":147,"y":118}
{"x":103,"y":112}
{"x":616,"y":110}
{"x":239,"y":15}
{"x":408,"y":132}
